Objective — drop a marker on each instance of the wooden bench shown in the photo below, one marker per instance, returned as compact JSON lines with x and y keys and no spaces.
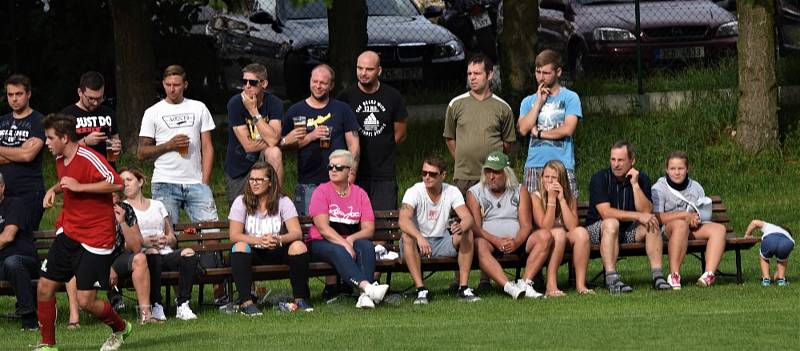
{"x":213,"y":237}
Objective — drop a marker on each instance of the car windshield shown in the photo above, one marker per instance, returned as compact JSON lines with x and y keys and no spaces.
{"x":374,"y":8}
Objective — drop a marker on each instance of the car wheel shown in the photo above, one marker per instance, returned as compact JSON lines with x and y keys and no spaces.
{"x":576,"y":67}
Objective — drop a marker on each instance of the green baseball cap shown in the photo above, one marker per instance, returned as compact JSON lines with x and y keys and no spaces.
{"x":496,"y":160}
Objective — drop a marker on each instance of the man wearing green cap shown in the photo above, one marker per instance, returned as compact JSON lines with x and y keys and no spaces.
{"x":502,"y":223}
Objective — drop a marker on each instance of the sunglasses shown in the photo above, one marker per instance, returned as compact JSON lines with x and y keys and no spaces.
{"x":430,"y":174}
{"x":252,"y":82}
{"x":337,"y":168}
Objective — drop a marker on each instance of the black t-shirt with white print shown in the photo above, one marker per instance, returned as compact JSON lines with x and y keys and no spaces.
{"x":376,"y":114}
{"x":22,"y":178}
{"x":103,"y":119}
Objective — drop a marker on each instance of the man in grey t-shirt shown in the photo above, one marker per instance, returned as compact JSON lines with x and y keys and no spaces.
{"x":502,"y":223}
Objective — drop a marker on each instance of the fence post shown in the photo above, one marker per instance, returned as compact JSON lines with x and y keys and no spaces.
{"x":640,"y":106}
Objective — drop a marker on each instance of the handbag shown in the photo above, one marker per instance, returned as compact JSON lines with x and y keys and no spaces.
{"x":703,"y":206}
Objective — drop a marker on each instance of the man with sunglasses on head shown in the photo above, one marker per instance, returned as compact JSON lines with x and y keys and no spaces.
{"x":96,"y":123}
{"x":430,"y":231}
{"x":254,"y":116}
{"x":21,"y":141}
{"x":327,"y":119}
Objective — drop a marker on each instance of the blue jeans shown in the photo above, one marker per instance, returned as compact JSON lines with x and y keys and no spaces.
{"x":776,"y":245}
{"x":196,"y":199}
{"x":351,"y":270}
{"x":19,"y":270}
{"x":302,"y":197}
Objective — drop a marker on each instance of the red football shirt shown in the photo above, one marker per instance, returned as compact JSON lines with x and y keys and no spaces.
{"x":88,"y":218}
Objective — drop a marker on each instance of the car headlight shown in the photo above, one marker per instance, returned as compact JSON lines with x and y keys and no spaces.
{"x":450,"y":49}
{"x":729,"y":29}
{"x":318,"y":53}
{"x":612,"y":34}
{"x":224,"y":23}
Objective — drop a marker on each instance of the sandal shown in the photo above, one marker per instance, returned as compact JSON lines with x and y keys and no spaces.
{"x":73,"y":325}
{"x":661,"y":284}
{"x":586,"y":291}
{"x":555,"y":293}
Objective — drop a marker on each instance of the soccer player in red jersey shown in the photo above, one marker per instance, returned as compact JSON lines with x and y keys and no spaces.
{"x":85,"y":242}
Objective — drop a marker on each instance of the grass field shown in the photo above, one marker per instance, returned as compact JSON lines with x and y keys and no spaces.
{"x":727,"y":316}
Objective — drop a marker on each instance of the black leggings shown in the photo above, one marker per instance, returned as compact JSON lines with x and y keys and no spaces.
{"x":242,"y":263}
{"x":171,"y":262}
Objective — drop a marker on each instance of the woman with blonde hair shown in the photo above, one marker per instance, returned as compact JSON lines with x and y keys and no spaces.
{"x":556,"y":209}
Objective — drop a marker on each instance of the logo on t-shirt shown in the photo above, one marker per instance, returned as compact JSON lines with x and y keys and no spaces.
{"x":433,"y":214}
{"x":12,"y":135}
{"x":372,"y":126}
{"x":551,"y":116}
{"x":88,"y":124}
{"x":181,"y":120}
{"x":337,"y":215}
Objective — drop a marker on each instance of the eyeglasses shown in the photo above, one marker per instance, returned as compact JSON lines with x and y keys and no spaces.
{"x":98,"y":99}
{"x":430,"y":174}
{"x":252,"y":82}
{"x":257,"y":180}
{"x":337,"y":168}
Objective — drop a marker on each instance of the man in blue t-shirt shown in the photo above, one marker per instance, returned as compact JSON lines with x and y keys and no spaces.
{"x":21,"y":141}
{"x":254,"y":132}
{"x":550,"y":116}
{"x":333,"y":126}
{"x":620,"y":212}
{"x":18,"y":261}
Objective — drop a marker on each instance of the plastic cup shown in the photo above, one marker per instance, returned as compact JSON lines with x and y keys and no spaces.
{"x":299,"y":121}
{"x":111,"y":155}
{"x":325,"y":141}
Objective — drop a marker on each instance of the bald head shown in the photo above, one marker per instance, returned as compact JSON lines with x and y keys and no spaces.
{"x":368,"y":68}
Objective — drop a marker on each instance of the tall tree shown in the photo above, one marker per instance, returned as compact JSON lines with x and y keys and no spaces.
{"x":347,"y":35}
{"x":135,"y":65}
{"x":757,"y":116}
{"x":518,"y":41}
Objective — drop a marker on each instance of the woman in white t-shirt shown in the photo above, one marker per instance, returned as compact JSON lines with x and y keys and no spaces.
{"x":265,"y":229}
{"x":674,"y":199}
{"x":158,"y":241}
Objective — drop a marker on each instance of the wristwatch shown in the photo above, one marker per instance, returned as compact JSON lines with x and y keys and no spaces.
{"x":256,"y":118}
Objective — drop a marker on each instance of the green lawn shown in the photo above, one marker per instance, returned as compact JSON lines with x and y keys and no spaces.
{"x":726,"y":316}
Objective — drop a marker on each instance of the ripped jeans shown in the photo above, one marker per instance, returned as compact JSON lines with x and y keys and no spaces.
{"x":196,"y":199}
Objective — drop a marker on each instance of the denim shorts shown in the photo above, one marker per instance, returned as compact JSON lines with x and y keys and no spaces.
{"x":440,"y":246}
{"x":196,"y":199}
{"x":776,"y":245}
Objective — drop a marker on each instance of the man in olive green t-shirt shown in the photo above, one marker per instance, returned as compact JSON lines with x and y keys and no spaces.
{"x":477,"y":123}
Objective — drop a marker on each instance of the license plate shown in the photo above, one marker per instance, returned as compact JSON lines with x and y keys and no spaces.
{"x":397,"y":74}
{"x":681,"y":53}
{"x":481,"y":21}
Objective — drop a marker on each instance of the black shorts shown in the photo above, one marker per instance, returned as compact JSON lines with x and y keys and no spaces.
{"x":382,"y":193}
{"x":67,"y":258}
{"x":123,"y":265}
{"x":274,"y":256}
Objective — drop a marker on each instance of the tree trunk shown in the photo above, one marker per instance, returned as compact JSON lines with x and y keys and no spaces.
{"x":347,"y":33}
{"x":518,"y":49}
{"x":135,"y":65}
{"x":757,"y":116}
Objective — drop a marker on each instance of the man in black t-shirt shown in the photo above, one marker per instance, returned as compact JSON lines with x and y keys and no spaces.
{"x":381,"y":115}
{"x":255,"y":117}
{"x":21,"y":141}
{"x":620,"y":211}
{"x":96,"y":123}
{"x":327,"y":118}
{"x":18,"y":261}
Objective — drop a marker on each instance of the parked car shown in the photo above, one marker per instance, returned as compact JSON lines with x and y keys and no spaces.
{"x":787,"y":22}
{"x":670,"y":29}
{"x":291,"y":39}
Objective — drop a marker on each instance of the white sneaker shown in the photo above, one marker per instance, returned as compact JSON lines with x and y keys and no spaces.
{"x":376,"y":291}
{"x":158,"y":312}
{"x":422,"y":297}
{"x":364,"y":301}
{"x":674,"y":280}
{"x":185,"y":312}
{"x":530,"y":292}
{"x":514,"y":290}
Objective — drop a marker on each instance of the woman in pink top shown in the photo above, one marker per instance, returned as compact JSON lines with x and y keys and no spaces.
{"x":343,"y":225}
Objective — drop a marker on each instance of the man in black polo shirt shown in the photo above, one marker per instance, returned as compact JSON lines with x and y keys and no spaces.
{"x":620,"y":209}
{"x":18,"y":261}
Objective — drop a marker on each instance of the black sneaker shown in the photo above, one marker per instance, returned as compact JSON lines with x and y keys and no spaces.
{"x":422,"y":297}
{"x":330,"y":291}
{"x":219,"y":301}
{"x":484,"y":285}
{"x":467,"y":295}
{"x":29,"y":322}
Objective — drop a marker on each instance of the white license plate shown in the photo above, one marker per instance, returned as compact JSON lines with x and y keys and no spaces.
{"x":681,"y":53}
{"x":481,"y":21}
{"x":397,"y":74}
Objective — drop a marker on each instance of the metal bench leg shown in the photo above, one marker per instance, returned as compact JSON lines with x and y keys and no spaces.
{"x":739,"y":266}
{"x":702,"y":262}
{"x":168,"y":299}
{"x":389,"y":278}
{"x":571,"y":275}
{"x":518,"y":273}
{"x":200,"y":294}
